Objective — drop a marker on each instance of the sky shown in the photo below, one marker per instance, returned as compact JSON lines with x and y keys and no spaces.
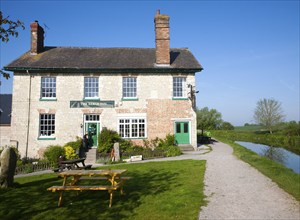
{"x":249,"y":49}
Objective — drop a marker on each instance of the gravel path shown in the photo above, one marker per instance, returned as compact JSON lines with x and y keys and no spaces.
{"x":235,"y":190}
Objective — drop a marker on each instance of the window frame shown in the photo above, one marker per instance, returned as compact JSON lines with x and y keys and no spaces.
{"x":90,"y":87}
{"x":47,"y":125}
{"x":137,"y":127}
{"x":127,"y":95}
{"x":48,"y":83}
{"x":179,"y":87}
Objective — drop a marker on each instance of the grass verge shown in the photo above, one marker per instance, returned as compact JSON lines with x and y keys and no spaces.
{"x":157,"y":190}
{"x":285,"y":178}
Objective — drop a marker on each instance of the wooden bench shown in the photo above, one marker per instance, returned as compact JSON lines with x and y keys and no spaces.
{"x":61,"y":189}
{"x":69,"y":167}
{"x":120,"y":184}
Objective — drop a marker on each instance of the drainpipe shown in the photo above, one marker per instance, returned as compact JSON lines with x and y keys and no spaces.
{"x":28,"y":116}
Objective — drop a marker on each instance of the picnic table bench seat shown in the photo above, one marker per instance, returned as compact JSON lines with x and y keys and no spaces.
{"x":123,"y":178}
{"x":61,"y":189}
{"x":81,"y":188}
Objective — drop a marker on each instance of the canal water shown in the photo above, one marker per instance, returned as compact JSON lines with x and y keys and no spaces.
{"x":277,"y":154}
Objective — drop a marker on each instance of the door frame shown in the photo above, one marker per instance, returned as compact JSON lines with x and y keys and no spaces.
{"x":97,"y":122}
{"x":189,"y":121}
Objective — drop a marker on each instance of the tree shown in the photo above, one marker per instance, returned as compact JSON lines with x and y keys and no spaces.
{"x":8,"y":28}
{"x":268,"y":113}
{"x":208,"y":119}
{"x":226,"y":126}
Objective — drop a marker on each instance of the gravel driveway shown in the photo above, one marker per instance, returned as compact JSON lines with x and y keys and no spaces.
{"x":235,"y":190}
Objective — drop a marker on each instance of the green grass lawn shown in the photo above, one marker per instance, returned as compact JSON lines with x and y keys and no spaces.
{"x":157,"y":190}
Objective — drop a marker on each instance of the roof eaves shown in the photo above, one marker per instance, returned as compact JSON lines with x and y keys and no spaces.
{"x":101,"y":70}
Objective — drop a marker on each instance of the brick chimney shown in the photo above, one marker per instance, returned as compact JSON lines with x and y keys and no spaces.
{"x":162,"y":39}
{"x":37,"y":38}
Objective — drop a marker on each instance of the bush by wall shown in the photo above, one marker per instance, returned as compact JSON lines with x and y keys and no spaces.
{"x":53,"y":152}
{"x":106,"y":140}
{"x":70,"y":153}
{"x":75,"y":144}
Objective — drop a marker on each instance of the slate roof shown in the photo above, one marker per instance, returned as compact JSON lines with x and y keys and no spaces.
{"x":5,"y":109}
{"x":77,"y":59}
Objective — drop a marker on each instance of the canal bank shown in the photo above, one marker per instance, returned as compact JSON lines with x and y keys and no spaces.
{"x":236,"y":190}
{"x":276,"y":154}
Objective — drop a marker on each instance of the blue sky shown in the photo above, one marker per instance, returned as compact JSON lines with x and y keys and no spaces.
{"x":249,"y":49}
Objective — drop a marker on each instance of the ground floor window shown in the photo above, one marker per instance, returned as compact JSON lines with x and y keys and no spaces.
{"x":132,"y":127}
{"x":47,"y":125}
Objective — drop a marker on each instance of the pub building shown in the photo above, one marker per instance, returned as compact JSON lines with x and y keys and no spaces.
{"x":60,"y":93}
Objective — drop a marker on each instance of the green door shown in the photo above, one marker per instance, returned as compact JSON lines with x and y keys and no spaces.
{"x":182,"y":133}
{"x":92,"y":129}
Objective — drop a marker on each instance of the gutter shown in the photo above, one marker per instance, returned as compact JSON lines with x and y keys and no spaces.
{"x":103,"y":70}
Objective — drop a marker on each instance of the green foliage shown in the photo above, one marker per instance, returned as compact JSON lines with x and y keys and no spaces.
{"x":75,"y":144}
{"x":208,"y":119}
{"x":106,"y":140}
{"x":167,"y":145}
{"x":151,"y":144}
{"x":70,"y":153}
{"x":291,"y":143}
{"x":226,"y":126}
{"x":53,"y":152}
{"x":9,"y":28}
{"x":291,"y":128}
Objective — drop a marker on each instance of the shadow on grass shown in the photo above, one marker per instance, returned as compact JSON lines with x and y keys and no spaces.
{"x":31,"y":200}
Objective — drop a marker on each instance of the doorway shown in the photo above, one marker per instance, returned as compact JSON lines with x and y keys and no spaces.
{"x":92,"y":128}
{"x":182,"y":132}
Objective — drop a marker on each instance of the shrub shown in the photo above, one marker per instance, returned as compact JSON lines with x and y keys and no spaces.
{"x":125,"y":144}
{"x":70,"y":153}
{"x":152,"y":144}
{"x":167,"y":145}
{"x":106,"y":140}
{"x":75,"y":144}
{"x":53,"y":152}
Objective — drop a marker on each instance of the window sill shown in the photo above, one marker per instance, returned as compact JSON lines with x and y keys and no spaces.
{"x":130,"y":99}
{"x":48,"y":99}
{"x":46,"y":138}
{"x":135,"y":138}
{"x":180,"y":98}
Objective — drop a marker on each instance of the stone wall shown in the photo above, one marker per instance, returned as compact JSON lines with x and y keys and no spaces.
{"x":154,"y":93}
{"x":5,"y":136}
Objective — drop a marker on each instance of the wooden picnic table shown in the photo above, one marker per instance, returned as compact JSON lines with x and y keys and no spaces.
{"x":72,"y":178}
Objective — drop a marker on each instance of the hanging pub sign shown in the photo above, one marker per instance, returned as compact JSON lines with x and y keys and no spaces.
{"x":92,"y":104}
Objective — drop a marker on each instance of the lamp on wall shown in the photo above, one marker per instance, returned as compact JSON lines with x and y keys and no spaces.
{"x":81,"y":125}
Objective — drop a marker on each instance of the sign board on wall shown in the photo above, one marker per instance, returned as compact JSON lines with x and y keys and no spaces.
{"x":92,"y":104}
